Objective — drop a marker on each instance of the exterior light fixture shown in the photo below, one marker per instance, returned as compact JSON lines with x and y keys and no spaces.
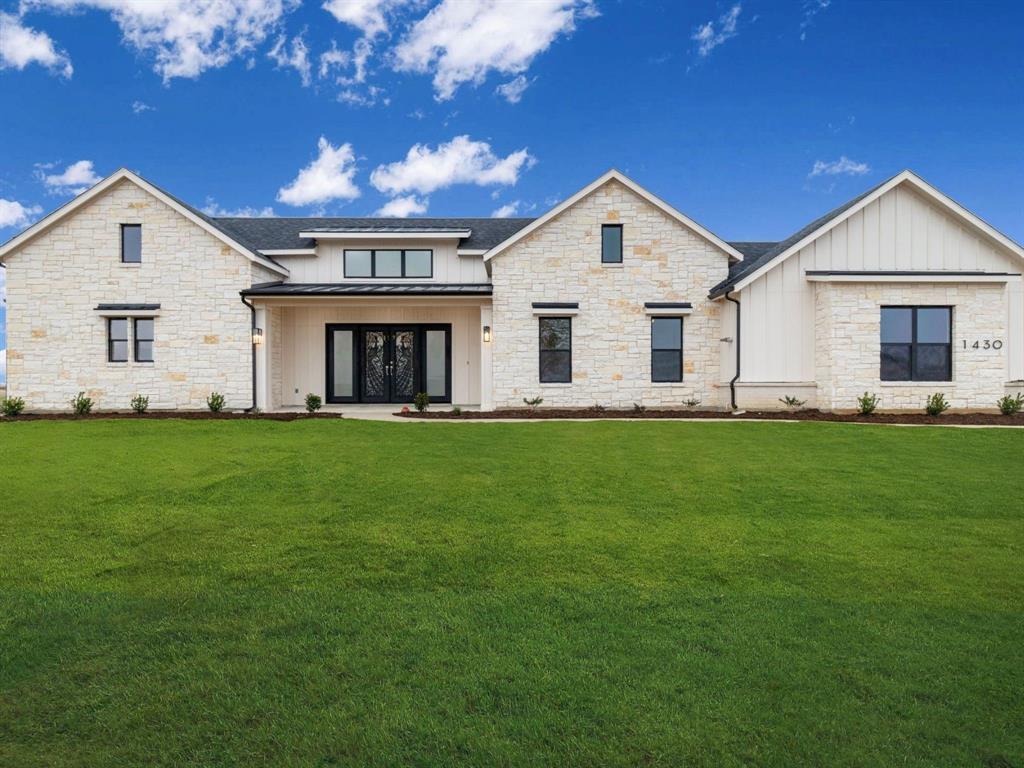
{"x":257,"y":336}
{"x":487,"y":334}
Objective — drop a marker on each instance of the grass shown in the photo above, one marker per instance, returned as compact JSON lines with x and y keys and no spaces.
{"x":596,"y":594}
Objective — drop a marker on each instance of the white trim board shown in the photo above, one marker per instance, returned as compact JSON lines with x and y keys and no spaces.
{"x":911,"y":277}
{"x":613,"y":175}
{"x":408,"y":235}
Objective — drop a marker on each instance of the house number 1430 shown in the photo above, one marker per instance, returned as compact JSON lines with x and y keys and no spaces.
{"x":984,"y":344}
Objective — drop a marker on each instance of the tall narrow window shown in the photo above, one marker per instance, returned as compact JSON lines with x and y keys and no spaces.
{"x":611,"y":243}
{"x":666,"y":349}
{"x":555,"y":350}
{"x":144,"y":340}
{"x":117,"y":339}
{"x":131,"y":243}
{"x":916,"y":344}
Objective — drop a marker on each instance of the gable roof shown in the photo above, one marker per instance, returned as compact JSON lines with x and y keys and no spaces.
{"x":741,"y":275}
{"x":122,"y":174}
{"x":613,"y":175}
{"x":278,"y":234}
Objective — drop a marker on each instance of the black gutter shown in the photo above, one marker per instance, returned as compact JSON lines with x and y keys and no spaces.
{"x":252,"y":335}
{"x":736,"y":339}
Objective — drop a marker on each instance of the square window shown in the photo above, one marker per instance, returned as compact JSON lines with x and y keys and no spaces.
{"x":419,"y":263}
{"x":387,"y":263}
{"x":131,"y":243}
{"x":916,"y":344}
{"x":611,"y":244}
{"x":358,"y":264}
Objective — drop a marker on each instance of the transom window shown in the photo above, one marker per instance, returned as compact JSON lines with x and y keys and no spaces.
{"x":666,"y":349}
{"x":131,"y":243}
{"x":916,"y":344}
{"x":555,"y":350}
{"x":611,"y":243}
{"x":389,"y":263}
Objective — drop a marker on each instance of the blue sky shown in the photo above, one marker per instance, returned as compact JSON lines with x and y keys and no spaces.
{"x":751,"y":117}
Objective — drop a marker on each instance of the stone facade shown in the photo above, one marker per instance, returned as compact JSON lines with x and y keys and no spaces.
{"x":611,"y":335}
{"x":848,"y":344}
{"x":57,"y":342}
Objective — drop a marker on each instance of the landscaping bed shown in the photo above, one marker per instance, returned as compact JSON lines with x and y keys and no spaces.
{"x":188,"y":415}
{"x":981,"y":419}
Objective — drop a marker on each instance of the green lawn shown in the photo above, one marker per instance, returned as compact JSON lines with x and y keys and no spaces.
{"x":566,"y":594}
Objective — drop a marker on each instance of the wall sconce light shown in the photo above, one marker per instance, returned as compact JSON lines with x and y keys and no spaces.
{"x":257,"y":336}
{"x":487,"y":334}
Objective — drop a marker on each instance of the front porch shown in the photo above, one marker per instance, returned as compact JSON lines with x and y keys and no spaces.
{"x":362,"y":352}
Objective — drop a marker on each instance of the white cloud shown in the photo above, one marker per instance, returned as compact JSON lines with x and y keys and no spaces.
{"x":14,"y":214}
{"x":711,"y":35}
{"x":75,"y":179}
{"x":333,"y":59}
{"x":368,"y":97}
{"x":513,"y":90}
{"x":331,"y":176}
{"x":811,"y":9}
{"x":186,"y":37}
{"x":402,"y":207}
{"x":507,"y":210}
{"x":368,"y":16}
{"x":459,"y":161}
{"x":461,"y":41}
{"x":212,"y":208}
{"x":295,"y":56}
{"x":21,"y":46}
{"x":138,"y":107}
{"x":844,"y":166}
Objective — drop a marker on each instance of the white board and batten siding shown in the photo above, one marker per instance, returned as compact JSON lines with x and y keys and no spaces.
{"x":328,"y":266}
{"x":900,"y":231}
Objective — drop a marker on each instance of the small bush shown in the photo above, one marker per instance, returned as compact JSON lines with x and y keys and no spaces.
{"x":597,"y":407}
{"x":421,"y":402}
{"x":637,"y":408}
{"x":867,"y":403}
{"x":1008,"y":405}
{"x":936,"y":405}
{"x":313,"y":403}
{"x":533,"y":402}
{"x":693,"y":402}
{"x":215,"y":402}
{"x":456,"y":411}
{"x":140,"y":403}
{"x":792,"y":402}
{"x":12,"y":406}
{"x":81,"y":405}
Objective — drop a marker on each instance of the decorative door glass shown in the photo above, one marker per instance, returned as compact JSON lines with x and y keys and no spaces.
{"x":375,"y":365}
{"x":403,"y":370}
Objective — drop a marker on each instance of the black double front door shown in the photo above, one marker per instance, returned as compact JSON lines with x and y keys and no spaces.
{"x":388,"y":363}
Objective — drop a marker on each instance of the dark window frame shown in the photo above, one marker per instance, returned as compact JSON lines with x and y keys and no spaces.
{"x":111,"y":340}
{"x":914,"y":345}
{"x":621,"y":233}
{"x":136,"y":339}
{"x":541,"y":350}
{"x":373,"y":264}
{"x":123,"y":228}
{"x":678,"y":350}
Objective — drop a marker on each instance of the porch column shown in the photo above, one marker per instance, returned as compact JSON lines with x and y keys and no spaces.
{"x":486,"y":356}
{"x":263,"y":360}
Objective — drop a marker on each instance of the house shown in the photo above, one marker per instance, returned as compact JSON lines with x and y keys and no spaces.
{"x":612,"y":297}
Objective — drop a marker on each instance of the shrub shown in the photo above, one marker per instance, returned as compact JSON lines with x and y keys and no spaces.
{"x":456,"y":411}
{"x":867,"y":403}
{"x":1008,"y":404}
{"x":936,"y":404}
{"x":598,"y":408}
{"x":81,"y":405}
{"x":637,"y":408}
{"x":215,"y":402}
{"x":792,"y":402}
{"x":421,"y":402}
{"x":140,"y":403}
{"x":693,"y":402}
{"x":533,"y":402}
{"x":313,"y":403}
{"x":12,"y":406}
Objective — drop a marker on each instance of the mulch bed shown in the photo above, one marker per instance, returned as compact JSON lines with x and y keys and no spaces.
{"x":990,"y":419}
{"x":189,"y":415}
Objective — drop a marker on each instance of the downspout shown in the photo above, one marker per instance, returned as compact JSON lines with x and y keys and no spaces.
{"x":732,"y":384}
{"x":252,"y":334}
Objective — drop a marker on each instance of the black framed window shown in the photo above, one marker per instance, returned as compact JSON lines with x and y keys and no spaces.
{"x":917,"y":344}
{"x":387,"y":262}
{"x":555,"y":350}
{"x":144,"y":327}
{"x":611,"y":243}
{"x":131,"y":243}
{"x":117,"y":339}
{"x":666,"y":349}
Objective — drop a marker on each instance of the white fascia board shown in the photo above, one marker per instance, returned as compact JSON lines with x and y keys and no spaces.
{"x":615,"y":175}
{"x":411,"y":235}
{"x":917,"y":277}
{"x":471,"y":251}
{"x":288,"y":251}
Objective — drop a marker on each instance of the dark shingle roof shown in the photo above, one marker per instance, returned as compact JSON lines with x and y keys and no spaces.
{"x":752,"y":250}
{"x":281,"y":233}
{"x":749,"y":265}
